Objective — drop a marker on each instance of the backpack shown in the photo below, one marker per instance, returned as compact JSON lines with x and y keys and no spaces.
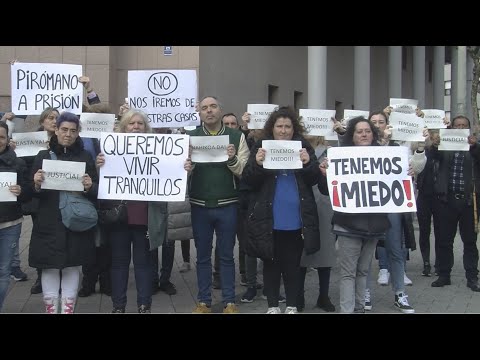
{"x":78,"y":213}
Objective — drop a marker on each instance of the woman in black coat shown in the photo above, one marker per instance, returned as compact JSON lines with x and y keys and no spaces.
{"x":53,"y":247}
{"x":282,"y":216}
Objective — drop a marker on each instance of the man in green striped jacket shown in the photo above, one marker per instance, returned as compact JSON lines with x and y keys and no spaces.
{"x":214,"y":195}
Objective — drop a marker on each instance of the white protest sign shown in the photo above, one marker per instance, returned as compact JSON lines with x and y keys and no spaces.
{"x":209,"y":148}
{"x":168,"y":97}
{"x":350,"y":114}
{"x":406,"y":127}
{"x":259,"y":114}
{"x":319,"y":122}
{"x":63,"y":175}
{"x":405,"y":106}
{"x":93,"y":124}
{"x":282,"y":154}
{"x":30,"y":143}
{"x":7,"y":179}
{"x":370,"y":179}
{"x":189,"y":128}
{"x":434,"y":118}
{"x":144,"y":167}
{"x":454,"y":139}
{"x":37,"y":86}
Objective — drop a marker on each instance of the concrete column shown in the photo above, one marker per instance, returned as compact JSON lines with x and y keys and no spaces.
{"x":438,"y":77}
{"x":419,"y":75}
{"x":459,"y":81}
{"x":395,"y":71}
{"x":317,"y":77}
{"x":469,"y":78}
{"x":361,"y":94}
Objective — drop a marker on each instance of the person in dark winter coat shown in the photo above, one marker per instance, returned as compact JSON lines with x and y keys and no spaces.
{"x":11,"y":216}
{"x":54,"y":248}
{"x":283,"y":217}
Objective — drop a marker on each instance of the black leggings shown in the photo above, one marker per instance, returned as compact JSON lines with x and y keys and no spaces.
{"x":323,"y":280}
{"x":288,"y":247}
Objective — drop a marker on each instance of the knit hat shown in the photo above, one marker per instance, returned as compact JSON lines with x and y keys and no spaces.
{"x":68,"y":116}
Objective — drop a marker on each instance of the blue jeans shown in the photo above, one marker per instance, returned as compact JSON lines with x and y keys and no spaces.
{"x":222,"y":220}
{"x":8,"y":242}
{"x":121,"y":239}
{"x":383,"y":259}
{"x":395,"y":251}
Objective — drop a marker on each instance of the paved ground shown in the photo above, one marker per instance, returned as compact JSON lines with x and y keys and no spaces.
{"x":456,"y":298}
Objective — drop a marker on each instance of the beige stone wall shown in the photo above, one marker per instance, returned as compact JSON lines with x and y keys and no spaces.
{"x":106,"y":66}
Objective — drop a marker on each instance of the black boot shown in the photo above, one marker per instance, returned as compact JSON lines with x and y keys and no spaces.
{"x":301,"y":302}
{"x":37,"y":285}
{"x":426,"y":269}
{"x":105,"y":284}
{"x":86,"y":291}
{"x":324,"y":303}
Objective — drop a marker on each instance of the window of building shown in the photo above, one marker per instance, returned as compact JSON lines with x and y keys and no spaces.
{"x":430,"y":71}
{"x":338,"y":110}
{"x":272,"y":94}
{"x":447,"y":92}
{"x":298,"y":100}
{"x":404,"y":57}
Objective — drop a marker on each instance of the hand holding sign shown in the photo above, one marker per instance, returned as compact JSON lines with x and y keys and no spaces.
{"x":419,"y":112}
{"x":187,"y":165}
{"x":388,"y":110}
{"x":304,"y":157}
{"x":231,"y":151}
{"x":472,"y":140}
{"x":246,"y":117}
{"x":15,"y":189}
{"x":324,"y":166}
{"x":38,"y":178}
{"x":86,"y":182}
{"x":446,"y":121}
{"x":260,"y":157}
{"x":100,"y":161}
{"x":8,"y":116}
{"x":338,"y":127}
{"x":124,"y":108}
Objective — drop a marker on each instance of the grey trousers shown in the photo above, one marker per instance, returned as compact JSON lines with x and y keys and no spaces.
{"x":355,"y":255}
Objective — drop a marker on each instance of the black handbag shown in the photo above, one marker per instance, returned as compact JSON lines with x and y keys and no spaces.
{"x":116,"y":215}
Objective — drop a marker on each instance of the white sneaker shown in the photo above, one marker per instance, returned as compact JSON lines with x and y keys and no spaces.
{"x":406,"y":280}
{"x":68,"y":305}
{"x":51,"y":305}
{"x":401,"y":302}
{"x":368,"y":301}
{"x":291,"y":310}
{"x":383,"y":277}
{"x":186,"y":267}
{"x":274,"y":310}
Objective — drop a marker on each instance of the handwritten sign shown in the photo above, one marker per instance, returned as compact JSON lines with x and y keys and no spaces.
{"x":434,"y":118}
{"x":319,"y":122}
{"x":350,"y":114}
{"x":259,"y":114}
{"x":282,"y":154}
{"x":7,"y":179}
{"x":63,"y":175}
{"x":406,"y":127}
{"x":144,"y":167}
{"x":93,"y":124}
{"x":167,"y":96}
{"x":454,"y":140}
{"x":370,"y":179}
{"x":37,"y":86}
{"x":209,"y":148}
{"x":30,"y":143}
{"x":405,"y":106}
